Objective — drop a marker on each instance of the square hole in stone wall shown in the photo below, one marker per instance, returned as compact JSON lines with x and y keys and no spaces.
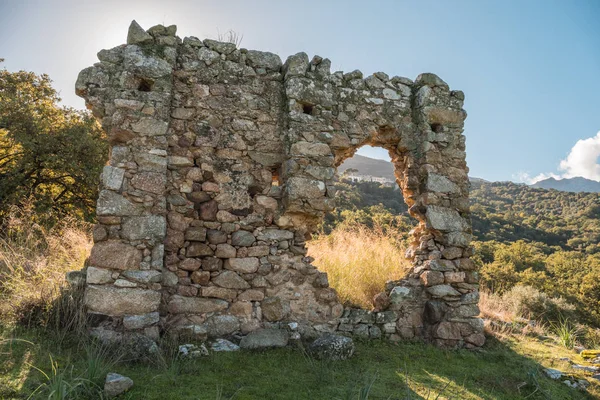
{"x":145,"y":85}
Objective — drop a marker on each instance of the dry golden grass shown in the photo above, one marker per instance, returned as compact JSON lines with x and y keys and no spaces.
{"x":491,"y":306}
{"x":33,"y":263}
{"x":359,"y":260}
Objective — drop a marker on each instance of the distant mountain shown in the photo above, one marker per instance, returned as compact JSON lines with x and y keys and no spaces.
{"x":374,"y":167}
{"x":385,"y":169}
{"x":369,"y":166}
{"x":577,"y":184}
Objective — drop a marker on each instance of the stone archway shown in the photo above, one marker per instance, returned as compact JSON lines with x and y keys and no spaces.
{"x":222,"y":163}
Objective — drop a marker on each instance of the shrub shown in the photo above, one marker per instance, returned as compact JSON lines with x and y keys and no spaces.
{"x":359,"y":260}
{"x":530,"y":303}
{"x":33,"y":263}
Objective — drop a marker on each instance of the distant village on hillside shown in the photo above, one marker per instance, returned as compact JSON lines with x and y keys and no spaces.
{"x":357,"y":177}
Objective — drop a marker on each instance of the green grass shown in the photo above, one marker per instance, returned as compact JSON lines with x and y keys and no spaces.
{"x":507,"y":369}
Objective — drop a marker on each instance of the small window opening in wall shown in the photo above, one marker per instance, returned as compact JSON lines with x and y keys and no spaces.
{"x":307,"y":109}
{"x":145,"y":85}
{"x":275,"y":178}
{"x":437,"y":128}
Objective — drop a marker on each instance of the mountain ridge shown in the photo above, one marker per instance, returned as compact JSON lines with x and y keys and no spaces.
{"x":381,"y":168}
{"x":577,"y":184}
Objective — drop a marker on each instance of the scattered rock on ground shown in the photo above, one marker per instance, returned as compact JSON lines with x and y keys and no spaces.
{"x":223,"y":345}
{"x":116,"y":384}
{"x":265,"y":339}
{"x":332,"y":347}
{"x":586,"y":368}
{"x":553,"y":373}
{"x":580,"y":384}
{"x":193,"y":351}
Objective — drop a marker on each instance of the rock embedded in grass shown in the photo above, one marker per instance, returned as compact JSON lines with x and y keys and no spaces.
{"x":223,"y":345}
{"x":332,"y":347}
{"x":265,"y":339}
{"x":116,"y":384}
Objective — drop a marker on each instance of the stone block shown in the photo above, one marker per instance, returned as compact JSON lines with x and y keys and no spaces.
{"x":246,"y":265}
{"x":146,"y":227}
{"x":231,"y":280}
{"x":109,"y":300}
{"x":113,"y":254}
{"x":195,"y":305}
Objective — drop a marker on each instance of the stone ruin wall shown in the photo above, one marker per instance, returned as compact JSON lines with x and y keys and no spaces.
{"x":222,"y":163}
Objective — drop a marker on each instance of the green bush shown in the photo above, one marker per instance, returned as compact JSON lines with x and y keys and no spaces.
{"x":530,"y":303}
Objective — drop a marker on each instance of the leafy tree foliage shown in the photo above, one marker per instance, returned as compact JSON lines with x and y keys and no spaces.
{"x":49,"y":155}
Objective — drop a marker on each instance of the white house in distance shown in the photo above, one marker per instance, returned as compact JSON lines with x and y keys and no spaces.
{"x":369,"y":178}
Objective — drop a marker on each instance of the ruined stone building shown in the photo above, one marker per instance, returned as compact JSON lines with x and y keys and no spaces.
{"x":222,"y":164}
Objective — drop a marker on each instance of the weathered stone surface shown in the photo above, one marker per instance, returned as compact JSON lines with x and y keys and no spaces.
{"x":152,"y":182}
{"x":195,"y":234}
{"x":275,"y":234}
{"x":112,"y":178}
{"x":305,"y":188}
{"x":242,"y":238}
{"x":216,"y":237}
{"x":251,"y":295}
{"x":182,"y":305}
{"x":219,"y":293}
{"x":399,"y":294}
{"x":197,"y":249}
{"x":208,"y":210}
{"x":113,"y":254}
{"x":441,"y":184}
{"x":431,"y":278}
{"x":332,"y":347}
{"x":200,"y":277}
{"x":120,"y":301}
{"x":447,"y":331}
{"x":212,"y":264}
{"x":150,"y":126}
{"x":112,"y":203}
{"x":264,"y":59}
{"x":452,"y":253}
{"x":440,"y":265}
{"x":296,"y":65}
{"x":221,"y":325}
{"x":246,"y":265}
{"x":445,"y":219}
{"x":147,"y":227}
{"x":219,"y":345}
{"x":442,"y":291}
{"x":116,"y":384}
{"x":264,"y":339}
{"x":225,"y":251}
{"x":131,"y":322}
{"x":98,"y":276}
{"x":144,"y":277}
{"x":231,"y":280}
{"x":190,"y":264}
{"x":137,"y":35}
{"x":275,"y":308}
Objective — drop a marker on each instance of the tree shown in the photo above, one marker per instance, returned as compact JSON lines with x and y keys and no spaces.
{"x":49,"y":155}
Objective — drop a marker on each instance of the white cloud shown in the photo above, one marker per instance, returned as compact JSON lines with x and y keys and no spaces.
{"x":530,"y":180}
{"x":583,"y":160}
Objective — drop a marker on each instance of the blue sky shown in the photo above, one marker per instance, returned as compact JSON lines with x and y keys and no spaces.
{"x":530,"y":69}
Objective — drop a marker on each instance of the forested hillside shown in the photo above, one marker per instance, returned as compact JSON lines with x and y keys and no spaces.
{"x":501,"y":211}
{"x":506,"y":212}
{"x":544,"y":239}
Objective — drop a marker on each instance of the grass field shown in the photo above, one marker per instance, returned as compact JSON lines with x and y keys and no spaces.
{"x":510,"y":368}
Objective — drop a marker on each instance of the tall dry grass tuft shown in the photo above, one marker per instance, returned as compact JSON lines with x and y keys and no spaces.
{"x":33,"y":263}
{"x":359,"y":260}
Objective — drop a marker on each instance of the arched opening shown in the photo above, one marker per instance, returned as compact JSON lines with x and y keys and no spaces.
{"x":361,"y":245}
